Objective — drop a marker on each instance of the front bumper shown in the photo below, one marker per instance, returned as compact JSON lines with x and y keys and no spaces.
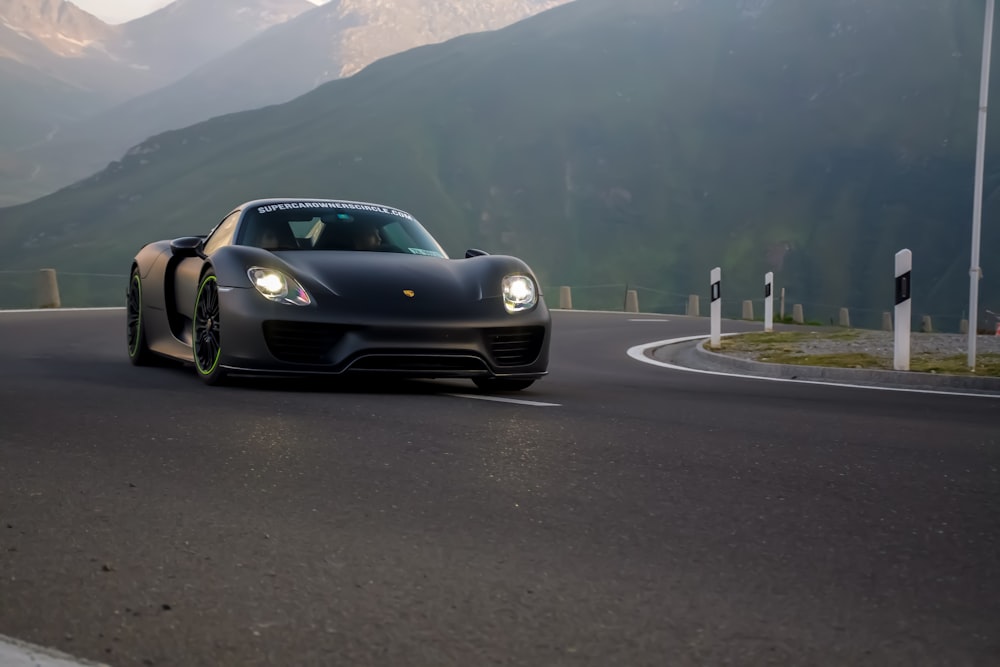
{"x":477,"y":340}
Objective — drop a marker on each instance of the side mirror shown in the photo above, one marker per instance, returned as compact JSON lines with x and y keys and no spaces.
{"x":186,"y":246}
{"x":475,"y":252}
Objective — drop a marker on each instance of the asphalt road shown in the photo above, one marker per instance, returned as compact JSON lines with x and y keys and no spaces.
{"x":647,"y":517}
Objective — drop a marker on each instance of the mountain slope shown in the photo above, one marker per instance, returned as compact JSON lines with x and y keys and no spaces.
{"x":60,"y":66}
{"x":288,"y":60}
{"x":610,"y":142}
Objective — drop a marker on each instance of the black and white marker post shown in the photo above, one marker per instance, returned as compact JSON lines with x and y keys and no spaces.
{"x":716,"y":279}
{"x":901,"y":347}
{"x":769,"y":301}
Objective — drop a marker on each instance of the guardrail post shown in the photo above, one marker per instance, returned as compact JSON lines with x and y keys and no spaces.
{"x":631,"y":301}
{"x":845,"y":318}
{"x":565,"y":298}
{"x":797,"y":316}
{"x":769,"y":301}
{"x":901,"y":342}
{"x":716,"y":307}
{"x":47,"y":293}
{"x":693,"y":306}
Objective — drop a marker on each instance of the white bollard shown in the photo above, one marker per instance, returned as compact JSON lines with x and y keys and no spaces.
{"x":716,"y":307}
{"x":631,"y":301}
{"x":768,"y":301}
{"x":47,"y":291}
{"x":901,"y":344}
{"x":694,"y":306}
{"x":565,"y":298}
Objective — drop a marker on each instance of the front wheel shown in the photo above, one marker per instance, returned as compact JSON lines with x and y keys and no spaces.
{"x":491,"y":384}
{"x":206,"y":342}
{"x":135,"y":331}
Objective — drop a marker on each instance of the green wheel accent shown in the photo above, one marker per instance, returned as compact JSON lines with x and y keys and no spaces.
{"x":206,"y":343}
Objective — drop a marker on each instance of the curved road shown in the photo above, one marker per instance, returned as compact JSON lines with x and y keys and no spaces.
{"x":624,"y":514}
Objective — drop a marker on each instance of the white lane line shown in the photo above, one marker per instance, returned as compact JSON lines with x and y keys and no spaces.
{"x":648,"y":320}
{"x":639,"y":354}
{"x":15,"y":653}
{"x":501,"y":399}
{"x":61,"y":310}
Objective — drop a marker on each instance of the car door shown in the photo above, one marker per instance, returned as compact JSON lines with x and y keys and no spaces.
{"x":187,"y":273}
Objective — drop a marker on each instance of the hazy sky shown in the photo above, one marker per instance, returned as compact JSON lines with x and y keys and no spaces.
{"x":120,"y":11}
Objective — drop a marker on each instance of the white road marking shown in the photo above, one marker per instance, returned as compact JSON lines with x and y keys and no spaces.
{"x":649,"y":320}
{"x":15,"y":653}
{"x":501,"y":399}
{"x":638,"y":353}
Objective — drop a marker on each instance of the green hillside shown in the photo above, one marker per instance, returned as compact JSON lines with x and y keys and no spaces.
{"x":611,"y":141}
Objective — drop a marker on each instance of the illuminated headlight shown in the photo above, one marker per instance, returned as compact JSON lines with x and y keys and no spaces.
{"x":278,"y":287}
{"x":519,"y":293}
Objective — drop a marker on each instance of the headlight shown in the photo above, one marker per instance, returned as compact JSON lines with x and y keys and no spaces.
{"x":278,"y":287}
{"x":519,"y":293}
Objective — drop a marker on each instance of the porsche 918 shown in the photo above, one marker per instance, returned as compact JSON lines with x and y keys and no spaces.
{"x":323,"y":286}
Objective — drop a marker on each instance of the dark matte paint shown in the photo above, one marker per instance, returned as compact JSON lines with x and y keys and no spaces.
{"x":455,"y":300}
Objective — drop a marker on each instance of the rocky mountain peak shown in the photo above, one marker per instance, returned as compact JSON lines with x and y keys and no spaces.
{"x":59,"y":26}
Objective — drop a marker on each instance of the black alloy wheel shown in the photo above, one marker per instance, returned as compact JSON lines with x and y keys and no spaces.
{"x":206,"y":342}
{"x":138,"y":352}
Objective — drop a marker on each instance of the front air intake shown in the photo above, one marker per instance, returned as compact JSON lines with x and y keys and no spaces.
{"x":514,"y":346}
{"x":301,"y":342}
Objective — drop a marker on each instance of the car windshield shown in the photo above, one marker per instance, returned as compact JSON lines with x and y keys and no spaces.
{"x":336,"y":226}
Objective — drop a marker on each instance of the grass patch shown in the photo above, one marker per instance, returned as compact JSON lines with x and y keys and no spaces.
{"x":785,"y":347}
{"x":763,"y":340}
{"x":986,"y":364}
{"x":844,"y":360}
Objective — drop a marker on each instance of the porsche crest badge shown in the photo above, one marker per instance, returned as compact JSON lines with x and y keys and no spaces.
{"x":409,"y":293}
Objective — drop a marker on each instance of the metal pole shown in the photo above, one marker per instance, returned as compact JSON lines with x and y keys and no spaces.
{"x":977,"y":204}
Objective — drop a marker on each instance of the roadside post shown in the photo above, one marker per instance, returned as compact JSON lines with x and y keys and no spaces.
{"x":769,"y":301}
{"x":716,"y":280}
{"x":901,"y":346}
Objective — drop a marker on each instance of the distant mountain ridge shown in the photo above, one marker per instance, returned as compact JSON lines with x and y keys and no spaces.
{"x":281,"y":49}
{"x":60,"y":65}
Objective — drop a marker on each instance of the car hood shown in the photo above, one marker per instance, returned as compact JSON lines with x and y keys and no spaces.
{"x":385,"y":278}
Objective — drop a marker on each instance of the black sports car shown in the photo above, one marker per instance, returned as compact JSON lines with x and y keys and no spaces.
{"x":290,"y":286}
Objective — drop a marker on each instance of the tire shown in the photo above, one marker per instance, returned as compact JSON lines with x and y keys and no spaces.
{"x":492,"y":384}
{"x":206,"y":342}
{"x":135,"y":331}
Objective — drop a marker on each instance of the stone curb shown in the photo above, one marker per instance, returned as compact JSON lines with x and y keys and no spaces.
{"x":851,"y":375}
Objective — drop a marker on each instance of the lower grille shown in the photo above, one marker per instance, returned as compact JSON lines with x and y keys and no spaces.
{"x":515,"y":346}
{"x":420,"y":363}
{"x":301,"y":342}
